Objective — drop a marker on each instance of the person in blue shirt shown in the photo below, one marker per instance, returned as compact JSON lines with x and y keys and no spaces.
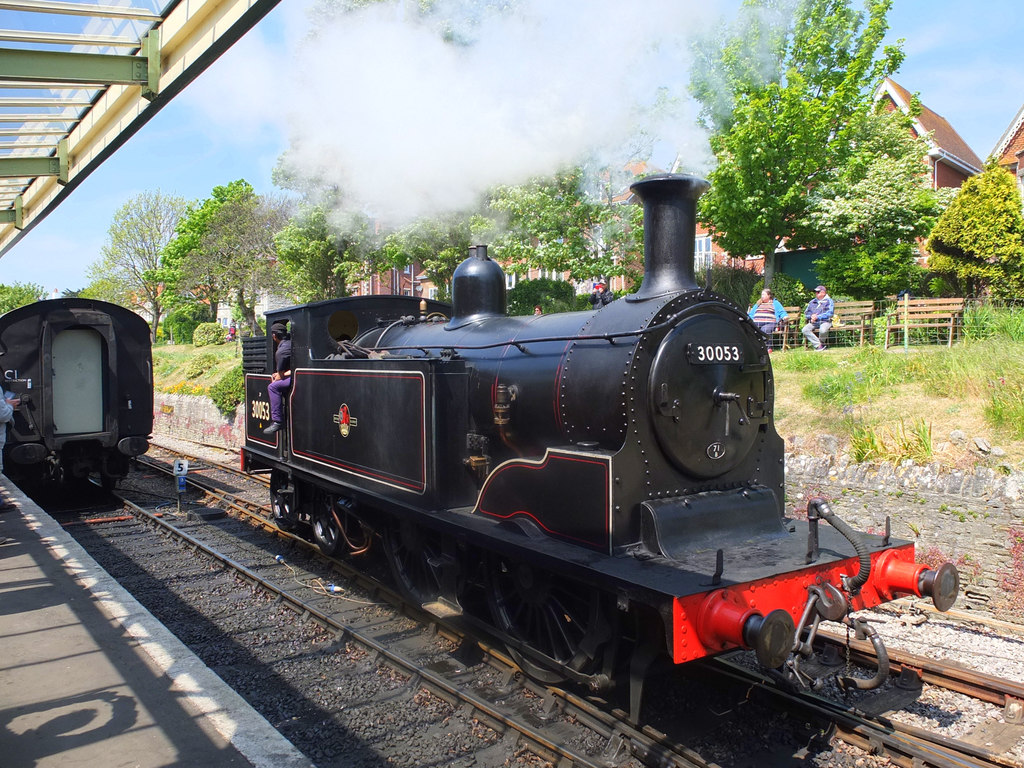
{"x":819,"y":318}
{"x":767,"y":313}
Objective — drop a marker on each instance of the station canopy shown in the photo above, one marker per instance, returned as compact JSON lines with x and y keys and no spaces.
{"x":78,"y":78}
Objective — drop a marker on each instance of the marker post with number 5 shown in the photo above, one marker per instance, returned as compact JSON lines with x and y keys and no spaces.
{"x":180,"y":471}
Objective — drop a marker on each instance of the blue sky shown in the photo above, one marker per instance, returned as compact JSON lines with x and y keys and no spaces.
{"x":964,"y":59}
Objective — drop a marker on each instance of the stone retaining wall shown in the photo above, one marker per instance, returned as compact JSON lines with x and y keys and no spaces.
{"x":967,"y":517}
{"x":190,"y":417}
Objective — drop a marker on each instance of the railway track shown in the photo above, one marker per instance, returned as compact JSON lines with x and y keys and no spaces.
{"x":905,"y":745}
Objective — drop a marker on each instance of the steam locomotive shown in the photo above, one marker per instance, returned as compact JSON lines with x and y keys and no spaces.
{"x":83,"y":370}
{"x":596,"y":489}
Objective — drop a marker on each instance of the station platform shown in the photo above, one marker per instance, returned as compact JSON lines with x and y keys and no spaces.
{"x":89,"y":678}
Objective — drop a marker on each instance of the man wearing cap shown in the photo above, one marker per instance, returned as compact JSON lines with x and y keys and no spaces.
{"x":819,"y":318}
{"x":601,"y":295}
{"x":281,"y":379}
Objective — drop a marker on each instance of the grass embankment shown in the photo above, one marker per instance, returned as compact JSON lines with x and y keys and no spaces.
{"x":895,"y":405}
{"x":183,"y":369}
{"x":883,"y":406}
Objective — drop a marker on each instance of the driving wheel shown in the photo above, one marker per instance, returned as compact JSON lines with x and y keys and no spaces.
{"x":557,"y":621}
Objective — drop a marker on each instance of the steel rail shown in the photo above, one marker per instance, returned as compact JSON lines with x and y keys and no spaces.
{"x":979,"y":685}
{"x":903,"y":742}
{"x":216,"y":465}
{"x":251,"y":508}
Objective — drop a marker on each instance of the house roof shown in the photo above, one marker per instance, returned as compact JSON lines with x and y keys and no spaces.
{"x":942,"y":136}
{"x":1011,"y":143}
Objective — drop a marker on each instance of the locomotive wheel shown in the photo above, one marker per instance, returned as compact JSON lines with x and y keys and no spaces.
{"x":325,"y":526}
{"x":282,"y":501}
{"x":557,"y":618}
{"x":410,"y":551}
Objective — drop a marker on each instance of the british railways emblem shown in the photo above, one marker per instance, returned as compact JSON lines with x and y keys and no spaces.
{"x":343,"y":418}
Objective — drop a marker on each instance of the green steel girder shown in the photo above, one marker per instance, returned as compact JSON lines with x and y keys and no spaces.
{"x":87,"y":68}
{"x":58,"y":165}
{"x":15,"y":215}
{"x":151,"y":51}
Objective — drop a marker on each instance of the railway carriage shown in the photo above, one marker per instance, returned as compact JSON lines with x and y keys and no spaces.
{"x":83,"y":370}
{"x":594,"y":488}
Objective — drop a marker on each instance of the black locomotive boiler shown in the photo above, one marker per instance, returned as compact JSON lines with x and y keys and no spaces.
{"x":595,"y":488}
{"x":83,"y":370}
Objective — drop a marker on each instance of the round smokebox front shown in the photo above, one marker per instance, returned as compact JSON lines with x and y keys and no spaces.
{"x":707,"y":393}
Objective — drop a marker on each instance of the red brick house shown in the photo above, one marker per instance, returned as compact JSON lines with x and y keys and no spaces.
{"x":950,"y":159}
{"x":1009,"y":150}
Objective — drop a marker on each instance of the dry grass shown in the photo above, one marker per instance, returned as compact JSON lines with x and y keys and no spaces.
{"x":893,"y":409}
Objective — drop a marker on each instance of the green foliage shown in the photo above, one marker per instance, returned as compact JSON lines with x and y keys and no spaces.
{"x":734,"y":283}
{"x":18,"y":295}
{"x":181,"y":323}
{"x":865,"y":443}
{"x":186,"y":269}
{"x":229,"y":390}
{"x":978,"y":243}
{"x":321,"y":252}
{"x":784,"y":98}
{"x":866,"y":273}
{"x":988,"y":369}
{"x":130,"y":273}
{"x":437,"y":244}
{"x":556,"y":224}
{"x":871,"y":374}
{"x":551,"y":295}
{"x":789,"y":291}
{"x":208,"y":333}
{"x":199,"y":364}
{"x":1006,"y":407}
{"x":880,"y":197}
{"x":983,"y":321}
{"x":895,"y":446}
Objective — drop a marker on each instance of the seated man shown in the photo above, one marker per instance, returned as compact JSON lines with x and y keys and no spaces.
{"x":819,"y":318}
{"x":281,"y":379}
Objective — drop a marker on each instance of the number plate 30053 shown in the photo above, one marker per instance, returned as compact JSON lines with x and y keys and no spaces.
{"x":714,"y":354}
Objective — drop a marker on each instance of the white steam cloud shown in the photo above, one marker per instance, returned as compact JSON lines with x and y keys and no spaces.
{"x":408,"y":123}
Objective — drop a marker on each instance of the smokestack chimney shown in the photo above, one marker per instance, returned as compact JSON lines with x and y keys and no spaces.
{"x":670,"y":224}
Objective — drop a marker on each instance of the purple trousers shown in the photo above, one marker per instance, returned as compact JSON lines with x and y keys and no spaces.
{"x":276,"y":391}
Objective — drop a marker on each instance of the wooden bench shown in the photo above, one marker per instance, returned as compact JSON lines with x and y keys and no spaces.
{"x":906,"y":315}
{"x":855,"y":316}
{"x":788,"y":329}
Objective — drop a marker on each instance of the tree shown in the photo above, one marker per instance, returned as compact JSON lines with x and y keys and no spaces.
{"x":549,"y":295}
{"x":979,"y":240}
{"x":555,"y":224}
{"x":319,"y":258}
{"x":795,"y":91}
{"x":187,"y":273}
{"x":438,"y":244}
{"x":129,"y":271}
{"x":870,"y":212}
{"x":239,"y":248}
{"x":18,"y":295}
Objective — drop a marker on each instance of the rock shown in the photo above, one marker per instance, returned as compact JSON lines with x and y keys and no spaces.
{"x":983,"y":445}
{"x":829,"y":444}
{"x":997,"y":451}
{"x":958,"y":436}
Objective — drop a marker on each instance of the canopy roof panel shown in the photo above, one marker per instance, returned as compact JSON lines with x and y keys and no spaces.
{"x":78,"y":78}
